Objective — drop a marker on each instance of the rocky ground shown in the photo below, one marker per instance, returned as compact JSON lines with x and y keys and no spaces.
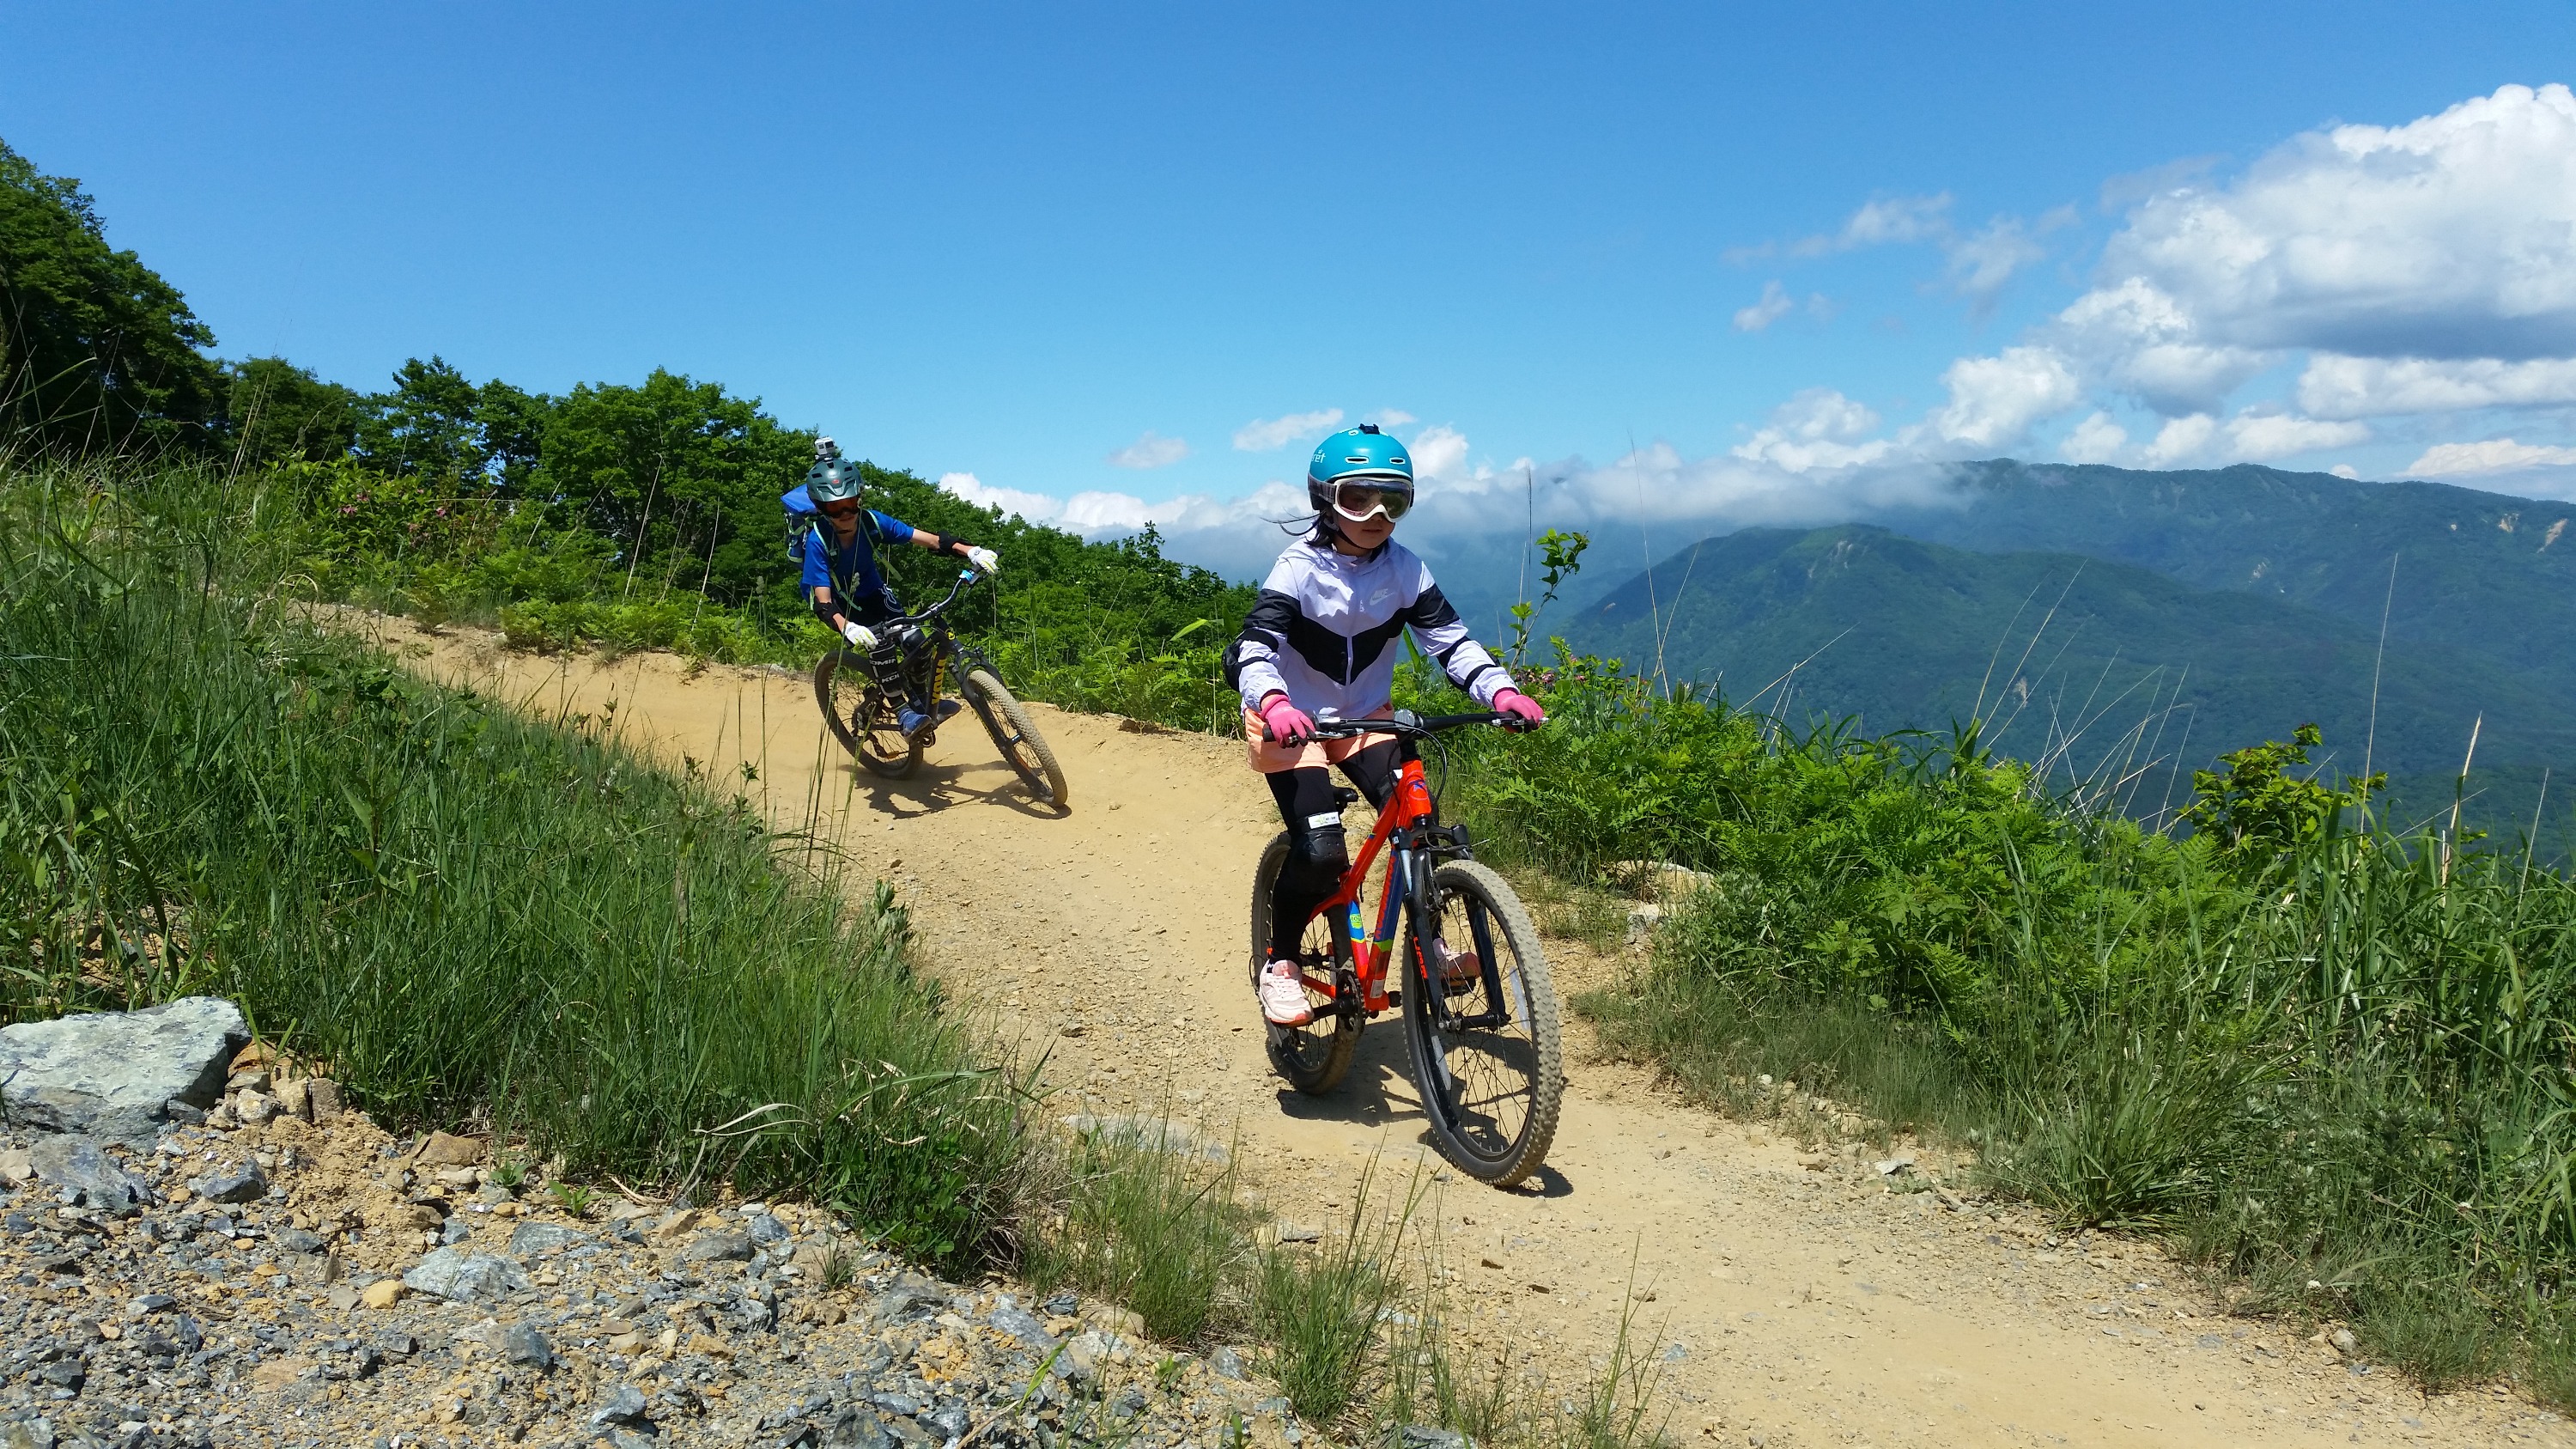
{"x":264,"y":1279}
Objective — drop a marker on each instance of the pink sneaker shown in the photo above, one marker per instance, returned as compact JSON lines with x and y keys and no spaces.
{"x":1283,"y":996}
{"x":1459,"y":970}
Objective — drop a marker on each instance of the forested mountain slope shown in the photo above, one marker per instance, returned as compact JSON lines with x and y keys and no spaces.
{"x":2074,"y":657}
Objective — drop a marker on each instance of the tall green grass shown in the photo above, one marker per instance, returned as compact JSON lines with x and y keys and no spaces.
{"x":2316,"y":1053}
{"x":470,"y":915}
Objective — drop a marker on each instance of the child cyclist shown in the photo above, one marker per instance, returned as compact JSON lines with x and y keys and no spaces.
{"x":1316,"y":648}
{"x":841,"y":577}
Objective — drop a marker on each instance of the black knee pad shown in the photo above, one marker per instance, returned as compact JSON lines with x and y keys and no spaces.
{"x":1322,"y":850}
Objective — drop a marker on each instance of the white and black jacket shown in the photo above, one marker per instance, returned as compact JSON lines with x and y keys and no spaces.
{"x":1324,"y":628}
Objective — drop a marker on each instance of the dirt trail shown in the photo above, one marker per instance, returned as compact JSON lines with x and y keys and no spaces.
{"x":1796,"y":1299}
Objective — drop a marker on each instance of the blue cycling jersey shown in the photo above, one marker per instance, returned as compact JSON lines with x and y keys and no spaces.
{"x":851,"y":572}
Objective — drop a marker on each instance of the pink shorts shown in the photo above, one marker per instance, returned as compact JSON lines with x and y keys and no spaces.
{"x":1270,"y":757}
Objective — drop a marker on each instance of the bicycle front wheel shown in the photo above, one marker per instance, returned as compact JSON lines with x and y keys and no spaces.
{"x":1022,"y":747}
{"x":862,"y":716}
{"x":1483,"y":1033}
{"x":1314,"y":1057}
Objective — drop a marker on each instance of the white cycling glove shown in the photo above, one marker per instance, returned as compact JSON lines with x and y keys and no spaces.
{"x":860,"y":636}
{"x":985,"y":559}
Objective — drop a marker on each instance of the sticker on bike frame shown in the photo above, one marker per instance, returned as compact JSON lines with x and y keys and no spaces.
{"x":1323,"y":822}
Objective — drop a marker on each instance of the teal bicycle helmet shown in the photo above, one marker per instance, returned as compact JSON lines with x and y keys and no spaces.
{"x":1359,"y":455}
{"x":833,"y":477}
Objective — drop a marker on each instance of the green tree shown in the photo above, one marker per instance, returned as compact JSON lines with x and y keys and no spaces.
{"x":97,"y":351}
{"x":681,"y":477}
{"x":427,"y":423}
{"x":280,"y":413}
{"x":2257,"y":812}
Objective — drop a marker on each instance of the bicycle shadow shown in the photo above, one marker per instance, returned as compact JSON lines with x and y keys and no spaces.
{"x":934,"y":786}
{"x":1379,"y":1095}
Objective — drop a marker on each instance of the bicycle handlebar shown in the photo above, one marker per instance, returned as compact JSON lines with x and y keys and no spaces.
{"x":964,"y":577}
{"x":1405,"y":722}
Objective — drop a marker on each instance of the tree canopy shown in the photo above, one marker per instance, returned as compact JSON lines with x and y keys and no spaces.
{"x":97,"y":350}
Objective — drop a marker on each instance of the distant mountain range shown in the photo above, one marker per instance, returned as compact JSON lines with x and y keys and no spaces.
{"x":2117,"y":621}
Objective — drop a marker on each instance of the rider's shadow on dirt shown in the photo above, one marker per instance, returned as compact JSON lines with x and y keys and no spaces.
{"x":1379,"y":1096}
{"x":931,"y":788}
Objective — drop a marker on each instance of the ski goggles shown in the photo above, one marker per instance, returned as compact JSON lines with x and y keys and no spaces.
{"x":1360,"y":501}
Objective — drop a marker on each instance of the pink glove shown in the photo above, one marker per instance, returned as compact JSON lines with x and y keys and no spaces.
{"x":1520,"y":707}
{"x":1289,"y":725}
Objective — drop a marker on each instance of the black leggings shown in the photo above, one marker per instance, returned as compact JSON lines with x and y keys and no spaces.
{"x":1317,"y":852}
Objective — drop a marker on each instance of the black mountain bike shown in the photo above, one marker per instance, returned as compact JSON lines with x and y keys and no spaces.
{"x":916,"y":655}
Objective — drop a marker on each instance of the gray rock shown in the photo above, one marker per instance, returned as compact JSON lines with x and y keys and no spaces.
{"x":1430,"y":1436}
{"x":454,"y":1231}
{"x":908,"y":1296}
{"x":88,"y":1176}
{"x":1225,"y":1363}
{"x":717,"y":1248}
{"x":531,"y":1239}
{"x":853,"y":1427}
{"x":1022,"y":1325}
{"x":110,"y":1074}
{"x":27,"y":1432}
{"x":765,"y":1229}
{"x":621,"y":1439}
{"x":297,"y":1240}
{"x":465,"y":1277}
{"x":521,"y":1344}
{"x":242,"y":1183}
{"x":624,"y":1405}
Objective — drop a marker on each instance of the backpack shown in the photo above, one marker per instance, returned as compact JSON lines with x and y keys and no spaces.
{"x":803,"y":516}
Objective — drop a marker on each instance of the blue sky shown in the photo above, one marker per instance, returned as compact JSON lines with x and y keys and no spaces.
{"x":1696,"y":252}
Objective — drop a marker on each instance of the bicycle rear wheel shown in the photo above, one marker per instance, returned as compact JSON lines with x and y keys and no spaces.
{"x":1022,"y":747}
{"x":862,"y":715}
{"x":1313,"y":1057}
{"x":1491,"y":1093}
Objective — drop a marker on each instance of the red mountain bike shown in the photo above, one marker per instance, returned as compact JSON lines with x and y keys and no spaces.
{"x":1480,"y":1014}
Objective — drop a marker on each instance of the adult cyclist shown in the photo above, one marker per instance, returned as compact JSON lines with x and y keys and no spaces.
{"x":841,"y":578}
{"x":1316,"y":648}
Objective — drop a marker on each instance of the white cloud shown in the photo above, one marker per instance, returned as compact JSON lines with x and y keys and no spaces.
{"x":2097,"y":439}
{"x":2345,"y":470}
{"x":1388,"y":418}
{"x":2249,"y":437}
{"x":2337,"y":386}
{"x":2181,"y":440}
{"x":1439,"y":452}
{"x":1977,"y":264}
{"x":2138,"y":339}
{"x":1263,"y":434}
{"x":1980,"y":264}
{"x":1886,"y":219}
{"x":2499,"y":455}
{"x":1818,"y":428}
{"x":1773,"y":305}
{"x":2261,"y":437}
{"x":1150,"y":450}
{"x":1994,"y":400}
{"x":2453,"y":236}
{"x":1035,"y":507}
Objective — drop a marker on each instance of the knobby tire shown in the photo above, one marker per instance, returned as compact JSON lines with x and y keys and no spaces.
{"x":862,"y":718}
{"x":1023,"y":748}
{"x":1490,"y":1095}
